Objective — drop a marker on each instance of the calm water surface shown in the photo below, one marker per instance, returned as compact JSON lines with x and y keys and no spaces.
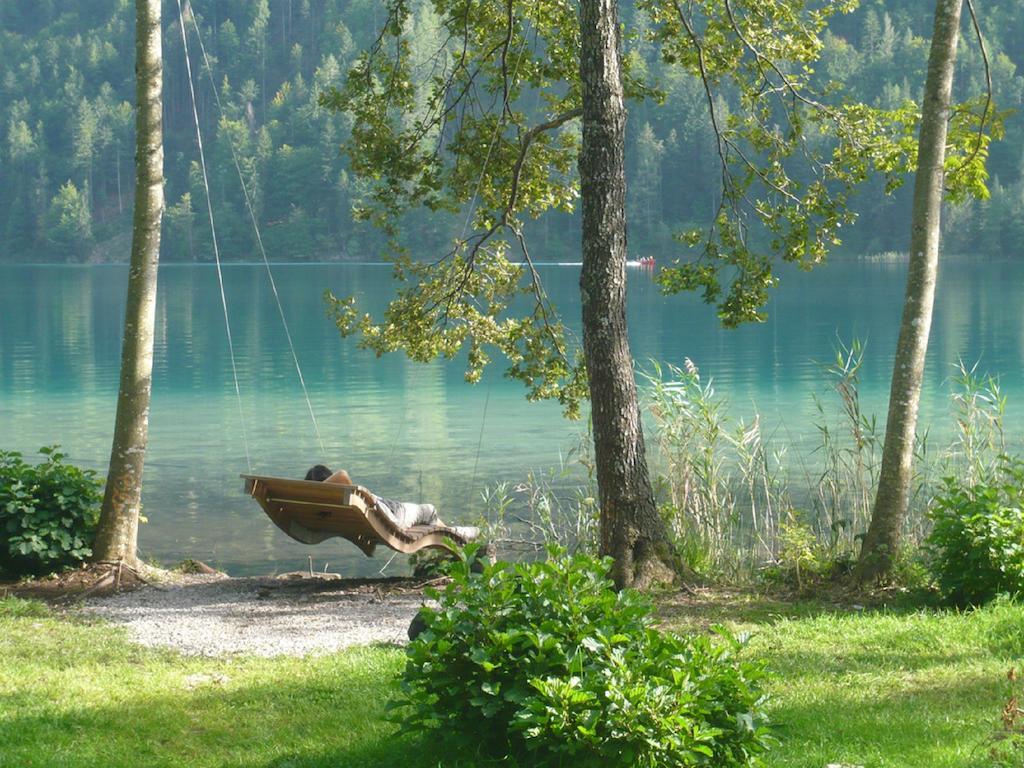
{"x":414,"y":431}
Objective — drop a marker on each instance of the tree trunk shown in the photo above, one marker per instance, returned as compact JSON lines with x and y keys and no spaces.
{"x":631,"y":531}
{"x":120,"y":199}
{"x":117,"y":536}
{"x":881,"y":544}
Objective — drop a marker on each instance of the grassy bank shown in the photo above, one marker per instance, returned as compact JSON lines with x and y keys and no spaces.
{"x":871,"y":689}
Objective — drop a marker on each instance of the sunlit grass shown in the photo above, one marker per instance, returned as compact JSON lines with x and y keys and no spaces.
{"x":77,"y":693}
{"x":877,"y":688}
{"x":919,"y":690}
{"x":863,"y":688}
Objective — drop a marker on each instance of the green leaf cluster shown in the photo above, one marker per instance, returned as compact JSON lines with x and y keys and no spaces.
{"x":48,"y":512}
{"x":490,"y":136}
{"x":976,"y":546}
{"x":407,"y":128}
{"x":460,"y":303}
{"x":545,"y":662}
{"x":795,"y":150}
{"x":468,"y":141}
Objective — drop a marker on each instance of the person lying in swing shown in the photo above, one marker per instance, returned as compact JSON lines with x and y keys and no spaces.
{"x":405,"y":513}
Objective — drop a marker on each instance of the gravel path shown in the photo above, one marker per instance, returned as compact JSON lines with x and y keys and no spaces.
{"x":212,"y":616}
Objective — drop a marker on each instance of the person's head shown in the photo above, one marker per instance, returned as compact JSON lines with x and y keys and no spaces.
{"x":319,"y":473}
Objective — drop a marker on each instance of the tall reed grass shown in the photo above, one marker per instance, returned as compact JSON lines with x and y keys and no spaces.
{"x":737,"y":500}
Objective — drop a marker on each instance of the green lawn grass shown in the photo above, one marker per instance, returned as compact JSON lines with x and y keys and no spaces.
{"x":919,"y":689}
{"x":922,"y":689}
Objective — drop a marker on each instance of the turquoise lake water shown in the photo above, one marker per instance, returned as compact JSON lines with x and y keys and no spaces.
{"x":419,"y":432}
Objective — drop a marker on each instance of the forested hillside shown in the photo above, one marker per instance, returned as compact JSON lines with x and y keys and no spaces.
{"x":66,"y":86}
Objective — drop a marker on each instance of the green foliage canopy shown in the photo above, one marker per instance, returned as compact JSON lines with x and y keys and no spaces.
{"x":491,"y":135}
{"x":977,"y":542}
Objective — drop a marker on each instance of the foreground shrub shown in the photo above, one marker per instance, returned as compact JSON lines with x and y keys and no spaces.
{"x":977,"y":544}
{"x":48,"y":513}
{"x":545,"y":662}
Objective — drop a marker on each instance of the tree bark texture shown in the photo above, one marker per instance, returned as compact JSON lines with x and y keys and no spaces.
{"x":881,"y":545}
{"x":117,"y":536}
{"x":631,"y":530}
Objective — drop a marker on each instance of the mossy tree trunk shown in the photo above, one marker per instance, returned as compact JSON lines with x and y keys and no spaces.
{"x":631,"y":530}
{"x":117,"y":537}
{"x":881,"y":545}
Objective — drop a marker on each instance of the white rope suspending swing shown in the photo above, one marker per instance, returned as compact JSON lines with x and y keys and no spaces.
{"x":255,"y":225}
{"x":213,"y":235}
{"x":259,"y":239}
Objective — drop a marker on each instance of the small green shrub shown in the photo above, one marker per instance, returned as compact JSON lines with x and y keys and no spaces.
{"x":804,"y":561}
{"x":546,"y":663}
{"x":976,"y":546}
{"x":800,"y":553}
{"x":48,"y":513}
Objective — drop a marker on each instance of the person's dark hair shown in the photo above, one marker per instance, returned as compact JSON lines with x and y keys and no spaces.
{"x":319,"y":473}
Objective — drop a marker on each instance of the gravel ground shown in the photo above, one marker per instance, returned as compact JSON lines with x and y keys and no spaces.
{"x":212,"y":616}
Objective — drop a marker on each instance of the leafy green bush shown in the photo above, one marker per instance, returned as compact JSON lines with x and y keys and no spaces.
{"x":976,"y":546}
{"x":48,"y":512}
{"x":546,"y":663}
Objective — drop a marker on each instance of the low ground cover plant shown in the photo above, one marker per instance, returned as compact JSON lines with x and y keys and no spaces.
{"x":976,"y":546}
{"x":48,"y":513}
{"x":546,"y":663}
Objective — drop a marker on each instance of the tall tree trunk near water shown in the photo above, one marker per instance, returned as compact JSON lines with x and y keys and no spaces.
{"x":117,"y":536}
{"x":631,"y":530}
{"x":881,"y":544}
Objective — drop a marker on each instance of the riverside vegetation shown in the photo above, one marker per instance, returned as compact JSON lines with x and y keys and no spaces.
{"x":555,"y":666}
{"x":499,"y":657}
{"x":739,"y":508}
{"x":744,"y":508}
{"x":48,"y":512}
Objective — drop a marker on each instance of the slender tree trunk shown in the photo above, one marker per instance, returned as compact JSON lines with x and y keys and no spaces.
{"x":631,"y":530}
{"x":881,"y":544}
{"x":120,"y":199}
{"x":117,"y":536}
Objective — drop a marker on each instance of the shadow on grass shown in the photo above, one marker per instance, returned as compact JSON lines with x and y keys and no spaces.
{"x":336,"y":723}
{"x":339,"y":724}
{"x":872,"y":659}
{"x":699,"y":609}
{"x":404,"y":753}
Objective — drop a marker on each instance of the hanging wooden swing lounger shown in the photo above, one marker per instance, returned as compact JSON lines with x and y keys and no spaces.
{"x":312,"y":512}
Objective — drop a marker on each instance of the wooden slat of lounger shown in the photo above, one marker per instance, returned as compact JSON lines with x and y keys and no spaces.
{"x":322,"y":510}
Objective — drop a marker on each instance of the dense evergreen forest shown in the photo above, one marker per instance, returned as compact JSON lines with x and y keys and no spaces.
{"x":66,"y":161}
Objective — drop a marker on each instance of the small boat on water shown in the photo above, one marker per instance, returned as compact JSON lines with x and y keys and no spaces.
{"x":647,"y":262}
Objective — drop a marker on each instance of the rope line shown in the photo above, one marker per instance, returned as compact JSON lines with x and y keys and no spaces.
{"x":213,"y":234}
{"x":480,"y":442}
{"x":501,"y":123}
{"x":398,"y":436}
{"x":259,"y":236}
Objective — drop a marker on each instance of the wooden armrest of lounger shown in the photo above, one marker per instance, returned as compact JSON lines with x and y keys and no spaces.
{"x":311,"y":511}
